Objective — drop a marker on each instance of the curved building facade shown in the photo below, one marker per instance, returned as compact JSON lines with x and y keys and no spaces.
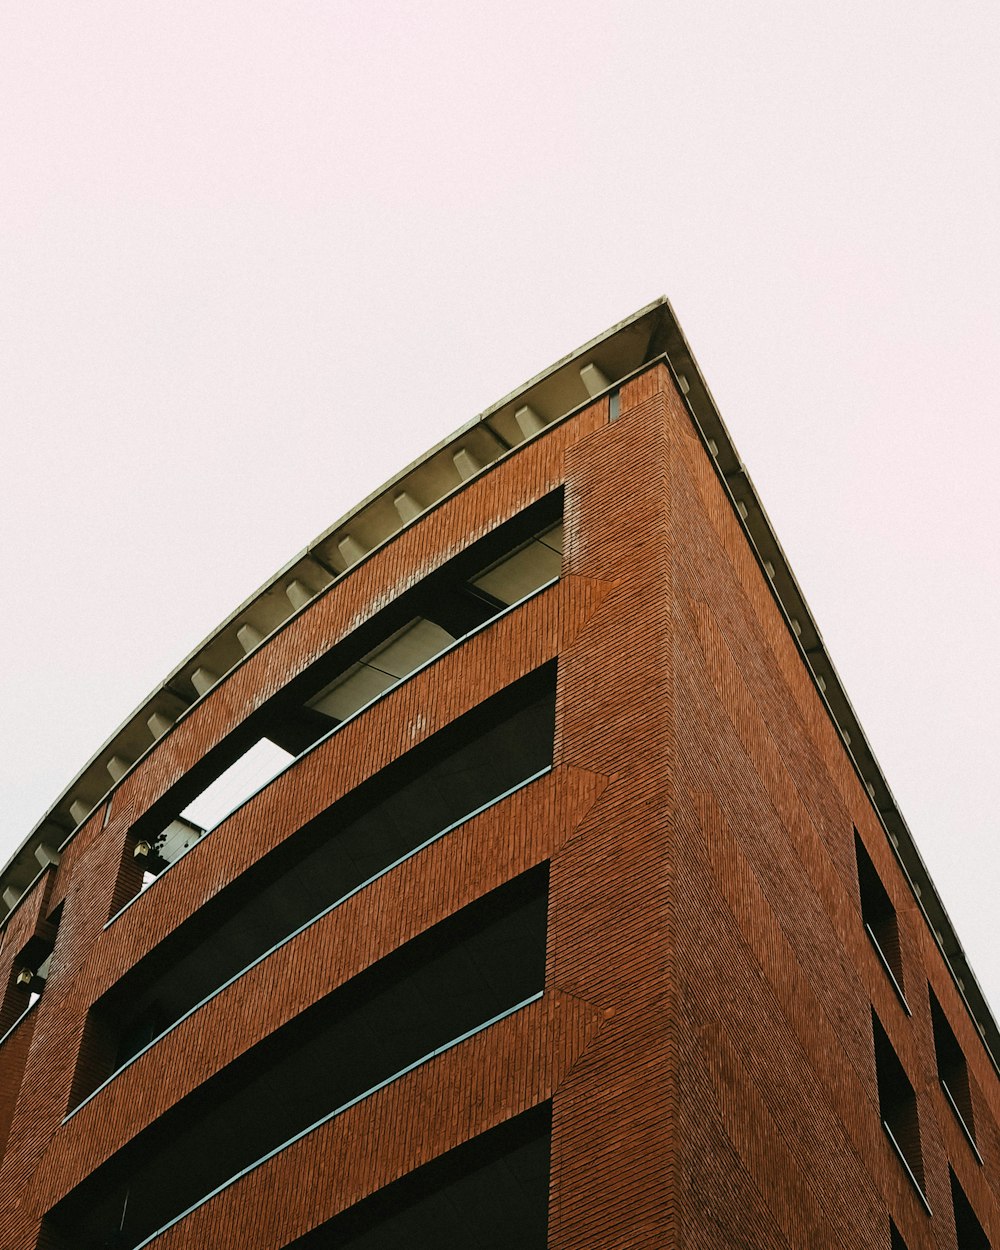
{"x":509,"y":871}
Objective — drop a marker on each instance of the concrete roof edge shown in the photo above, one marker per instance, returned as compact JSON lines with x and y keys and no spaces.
{"x":380,"y":492}
{"x":796,"y":610}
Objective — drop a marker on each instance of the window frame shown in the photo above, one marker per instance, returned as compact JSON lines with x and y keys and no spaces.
{"x":879,"y":912}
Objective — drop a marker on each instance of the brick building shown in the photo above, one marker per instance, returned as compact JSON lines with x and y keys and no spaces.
{"x":510,"y":871}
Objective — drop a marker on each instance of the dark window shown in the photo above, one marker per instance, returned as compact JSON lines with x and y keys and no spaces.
{"x":953,"y":1073}
{"x":523,"y":571}
{"x":879,"y":917}
{"x":897,"y":1105}
{"x":29,"y":973}
{"x":454,"y":979}
{"x":969,"y":1233}
{"x":492,"y":1191}
{"x":896,"y":1241}
{"x":516,"y":560}
{"x":476,"y":760}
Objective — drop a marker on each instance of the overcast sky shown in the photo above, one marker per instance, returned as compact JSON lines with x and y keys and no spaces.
{"x":257,"y":256}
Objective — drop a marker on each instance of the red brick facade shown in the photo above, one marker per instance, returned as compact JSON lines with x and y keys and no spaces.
{"x":705,"y":1033}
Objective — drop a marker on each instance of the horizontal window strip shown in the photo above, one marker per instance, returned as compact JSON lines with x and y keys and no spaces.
{"x":308,"y":925}
{"x":332,"y":1115}
{"x":338,"y":727}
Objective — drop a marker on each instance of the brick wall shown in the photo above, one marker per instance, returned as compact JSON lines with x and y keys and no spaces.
{"x":705,"y":1035}
{"x":778,"y":1120}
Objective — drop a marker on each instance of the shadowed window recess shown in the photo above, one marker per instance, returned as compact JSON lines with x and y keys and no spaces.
{"x":897,"y":1104}
{"x":29,"y":973}
{"x":969,"y":1233}
{"x":480,"y":757}
{"x":471,"y":590}
{"x":953,"y":1071}
{"x":491,"y":1193}
{"x":879,"y":918}
{"x":896,"y":1241}
{"x":458,"y":977}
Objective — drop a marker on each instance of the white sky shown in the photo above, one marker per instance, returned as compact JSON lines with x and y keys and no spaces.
{"x":256,"y":257}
